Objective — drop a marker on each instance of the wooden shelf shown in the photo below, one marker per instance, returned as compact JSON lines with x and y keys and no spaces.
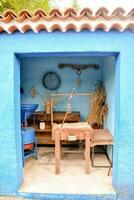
{"x":45,"y":140}
{"x":45,"y":136}
{"x":42,"y":130}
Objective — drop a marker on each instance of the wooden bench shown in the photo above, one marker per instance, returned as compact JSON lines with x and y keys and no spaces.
{"x":102,"y":137}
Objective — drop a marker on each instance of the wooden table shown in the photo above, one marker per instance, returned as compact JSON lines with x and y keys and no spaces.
{"x":78,"y":131}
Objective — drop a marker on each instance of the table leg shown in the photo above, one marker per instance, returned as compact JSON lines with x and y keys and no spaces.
{"x":61,"y":153}
{"x":87,"y":153}
{"x":57,"y":152}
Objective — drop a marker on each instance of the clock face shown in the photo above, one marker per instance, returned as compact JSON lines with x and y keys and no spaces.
{"x":51,"y":80}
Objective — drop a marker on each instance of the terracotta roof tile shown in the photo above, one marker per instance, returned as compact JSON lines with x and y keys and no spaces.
{"x":131,"y":26}
{"x":1,"y":29}
{"x":12,"y":29}
{"x":118,"y":19}
{"x":25,"y":28}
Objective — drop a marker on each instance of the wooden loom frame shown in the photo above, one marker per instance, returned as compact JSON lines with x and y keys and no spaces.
{"x":58,"y":139}
{"x":68,"y":94}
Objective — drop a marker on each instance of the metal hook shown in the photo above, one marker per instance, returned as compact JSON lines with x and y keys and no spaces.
{"x":78,"y":72}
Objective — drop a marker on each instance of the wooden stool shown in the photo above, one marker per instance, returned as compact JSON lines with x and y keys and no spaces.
{"x":102,"y":137}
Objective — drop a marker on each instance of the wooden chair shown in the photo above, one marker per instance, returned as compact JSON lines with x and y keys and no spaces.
{"x":105,"y":138}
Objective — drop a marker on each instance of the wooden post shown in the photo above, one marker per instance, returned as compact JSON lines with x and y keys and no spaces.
{"x":57,"y":152}
{"x":51,"y":113}
{"x":87,"y":152}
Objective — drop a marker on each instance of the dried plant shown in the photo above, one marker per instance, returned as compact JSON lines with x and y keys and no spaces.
{"x":54,"y":101}
{"x":99,"y":108}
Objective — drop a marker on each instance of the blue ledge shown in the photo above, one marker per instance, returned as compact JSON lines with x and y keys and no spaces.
{"x":40,"y":196}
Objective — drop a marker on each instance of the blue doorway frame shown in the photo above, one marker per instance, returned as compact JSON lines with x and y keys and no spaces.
{"x":19,"y":56}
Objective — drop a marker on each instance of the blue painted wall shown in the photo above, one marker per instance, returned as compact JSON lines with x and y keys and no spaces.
{"x":33,"y":69}
{"x":96,"y":43}
{"x":108,"y":77}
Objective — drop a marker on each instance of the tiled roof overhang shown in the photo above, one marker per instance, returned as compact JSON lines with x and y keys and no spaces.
{"x":118,"y":19}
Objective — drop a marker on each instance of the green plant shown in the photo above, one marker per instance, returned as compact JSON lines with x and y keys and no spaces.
{"x":43,"y":4}
{"x":75,"y":4}
{"x":31,"y":5}
{"x":4,"y":4}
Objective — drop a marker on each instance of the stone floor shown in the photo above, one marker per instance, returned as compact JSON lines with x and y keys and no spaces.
{"x":39,"y":175}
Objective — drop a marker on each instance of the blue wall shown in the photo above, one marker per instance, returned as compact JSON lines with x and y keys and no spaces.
{"x":96,"y":43}
{"x":108,"y":77}
{"x":33,"y":69}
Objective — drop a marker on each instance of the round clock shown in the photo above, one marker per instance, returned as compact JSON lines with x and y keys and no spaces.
{"x":51,"y":80}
